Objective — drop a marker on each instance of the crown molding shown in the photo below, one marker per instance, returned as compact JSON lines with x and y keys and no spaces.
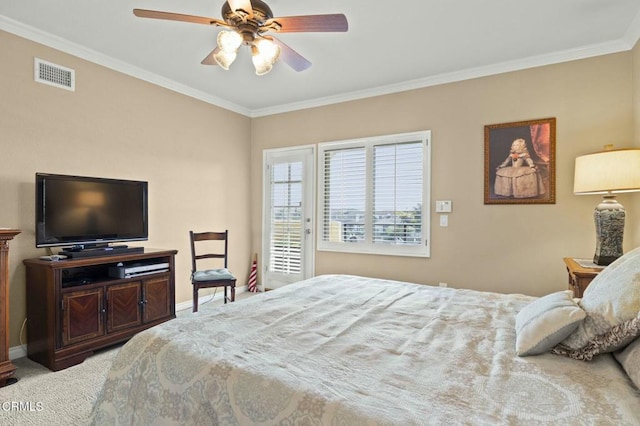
{"x":632,"y":34}
{"x":63,"y":45}
{"x":468,"y":74}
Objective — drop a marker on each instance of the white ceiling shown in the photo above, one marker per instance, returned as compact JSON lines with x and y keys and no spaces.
{"x":390,"y":46}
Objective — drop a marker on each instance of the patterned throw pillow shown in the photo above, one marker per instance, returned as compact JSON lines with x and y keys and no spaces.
{"x":612,"y":298}
{"x":617,"y":337}
{"x":545,"y":322}
{"x":629,"y":358}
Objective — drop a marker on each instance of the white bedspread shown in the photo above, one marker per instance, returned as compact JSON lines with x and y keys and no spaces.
{"x":344,"y":350}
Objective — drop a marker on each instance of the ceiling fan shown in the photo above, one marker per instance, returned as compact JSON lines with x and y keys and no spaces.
{"x":247,"y":22}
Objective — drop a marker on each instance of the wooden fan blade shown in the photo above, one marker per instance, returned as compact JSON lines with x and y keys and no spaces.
{"x":144,"y":13}
{"x":290,"y":56}
{"x":310,"y":23}
{"x":209,"y":60}
{"x":241,"y":5}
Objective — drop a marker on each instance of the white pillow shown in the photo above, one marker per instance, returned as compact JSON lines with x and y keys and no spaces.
{"x":629,"y":358}
{"x":612,"y":298}
{"x":546,"y":322}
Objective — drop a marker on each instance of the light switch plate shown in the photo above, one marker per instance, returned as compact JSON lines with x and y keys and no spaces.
{"x":443,"y":206}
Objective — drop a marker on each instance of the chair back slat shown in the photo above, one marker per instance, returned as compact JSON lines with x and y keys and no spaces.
{"x":208,"y":236}
{"x":210,"y":256}
{"x":215,"y":236}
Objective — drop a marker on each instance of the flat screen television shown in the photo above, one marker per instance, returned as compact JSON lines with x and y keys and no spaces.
{"x":84,"y":212}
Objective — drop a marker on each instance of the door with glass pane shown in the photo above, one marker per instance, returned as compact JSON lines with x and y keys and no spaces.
{"x":288,"y":238}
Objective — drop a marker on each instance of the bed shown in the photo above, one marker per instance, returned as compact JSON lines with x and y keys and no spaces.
{"x":348,"y":350}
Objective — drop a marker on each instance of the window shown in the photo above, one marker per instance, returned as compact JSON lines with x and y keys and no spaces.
{"x":373,"y":195}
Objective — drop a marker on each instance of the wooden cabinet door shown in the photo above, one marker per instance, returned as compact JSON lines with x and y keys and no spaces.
{"x":123,"y":306}
{"x":157,"y":299}
{"x":83,"y":315}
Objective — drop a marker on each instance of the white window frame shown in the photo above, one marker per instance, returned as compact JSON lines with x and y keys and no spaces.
{"x":368,"y":246}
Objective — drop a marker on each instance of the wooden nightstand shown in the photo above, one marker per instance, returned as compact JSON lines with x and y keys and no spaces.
{"x":579,"y":276}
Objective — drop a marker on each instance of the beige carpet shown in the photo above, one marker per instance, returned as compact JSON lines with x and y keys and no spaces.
{"x":65,"y":397}
{"x":45,"y":398}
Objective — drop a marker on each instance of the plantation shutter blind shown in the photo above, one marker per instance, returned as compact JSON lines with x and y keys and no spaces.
{"x":286,"y":218}
{"x":397,"y":193}
{"x":344,"y":195}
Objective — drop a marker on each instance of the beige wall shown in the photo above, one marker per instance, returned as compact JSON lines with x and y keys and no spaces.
{"x":503,"y":248}
{"x":194,"y":156}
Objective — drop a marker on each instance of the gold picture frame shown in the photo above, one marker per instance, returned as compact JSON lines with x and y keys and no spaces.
{"x":520,"y":162}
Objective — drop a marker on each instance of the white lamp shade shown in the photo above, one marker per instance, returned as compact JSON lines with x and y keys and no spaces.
{"x":607,"y":172}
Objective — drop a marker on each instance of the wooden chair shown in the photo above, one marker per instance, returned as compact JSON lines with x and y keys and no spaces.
{"x":208,"y":278}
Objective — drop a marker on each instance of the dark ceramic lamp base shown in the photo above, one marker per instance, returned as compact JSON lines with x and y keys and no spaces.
{"x":609,"y":218}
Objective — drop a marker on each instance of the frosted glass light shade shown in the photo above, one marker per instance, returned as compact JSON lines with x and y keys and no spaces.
{"x":264,"y":54}
{"x":268,"y":50}
{"x":607,"y":171}
{"x":225,"y":59}
{"x":261,"y":65}
{"x":229,"y":41}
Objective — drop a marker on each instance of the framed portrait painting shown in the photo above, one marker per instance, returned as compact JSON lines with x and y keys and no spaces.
{"x":520,"y":163}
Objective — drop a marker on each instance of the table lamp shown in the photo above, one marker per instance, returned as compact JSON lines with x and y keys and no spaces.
{"x":608,"y":172}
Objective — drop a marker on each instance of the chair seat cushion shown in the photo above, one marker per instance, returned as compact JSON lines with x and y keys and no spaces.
{"x":213,"y":275}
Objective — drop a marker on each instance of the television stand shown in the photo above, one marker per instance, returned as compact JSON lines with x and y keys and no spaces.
{"x":101,"y":251}
{"x":76,"y":307}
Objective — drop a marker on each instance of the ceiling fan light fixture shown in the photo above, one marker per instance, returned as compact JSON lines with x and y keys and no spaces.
{"x":225,"y":59}
{"x":229,"y":41}
{"x":246,"y":22}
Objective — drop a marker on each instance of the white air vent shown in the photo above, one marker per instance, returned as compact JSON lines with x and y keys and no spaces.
{"x":54,"y":75}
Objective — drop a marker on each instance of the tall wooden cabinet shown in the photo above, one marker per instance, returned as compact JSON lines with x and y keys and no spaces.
{"x":77,"y":306}
{"x":6,"y":366}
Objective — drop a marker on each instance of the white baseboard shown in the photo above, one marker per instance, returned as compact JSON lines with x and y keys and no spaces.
{"x":21,"y":351}
{"x":218,"y":295}
{"x":17,"y":352}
